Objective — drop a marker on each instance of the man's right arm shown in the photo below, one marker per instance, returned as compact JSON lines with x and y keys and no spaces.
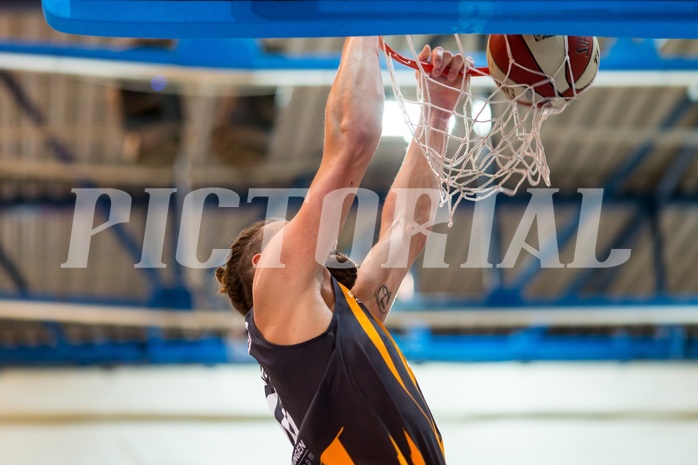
{"x":288,"y":307}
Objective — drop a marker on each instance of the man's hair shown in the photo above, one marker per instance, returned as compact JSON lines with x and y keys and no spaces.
{"x":237,"y":275}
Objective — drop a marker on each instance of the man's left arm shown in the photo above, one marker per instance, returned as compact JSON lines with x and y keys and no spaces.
{"x":413,"y":196}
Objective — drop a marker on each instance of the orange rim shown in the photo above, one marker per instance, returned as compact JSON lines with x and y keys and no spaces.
{"x":427,"y":67}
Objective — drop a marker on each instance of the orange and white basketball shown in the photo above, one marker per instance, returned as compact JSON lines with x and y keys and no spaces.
{"x":542,"y":70}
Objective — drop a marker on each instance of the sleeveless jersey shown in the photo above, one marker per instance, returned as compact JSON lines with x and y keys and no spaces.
{"x":347,"y":396}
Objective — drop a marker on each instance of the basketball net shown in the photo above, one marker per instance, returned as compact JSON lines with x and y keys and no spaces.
{"x":493,"y":143}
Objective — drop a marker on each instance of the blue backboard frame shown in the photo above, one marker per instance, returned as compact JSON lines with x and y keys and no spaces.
{"x":336,"y":18}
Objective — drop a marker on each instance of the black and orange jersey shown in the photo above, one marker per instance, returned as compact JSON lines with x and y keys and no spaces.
{"x":348,"y":395}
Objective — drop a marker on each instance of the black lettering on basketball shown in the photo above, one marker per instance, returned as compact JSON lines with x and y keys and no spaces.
{"x":538,"y":38}
{"x":583,"y":45}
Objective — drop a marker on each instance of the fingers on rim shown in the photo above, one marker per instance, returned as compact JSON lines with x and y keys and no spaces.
{"x":437,"y":56}
{"x":442,"y":59}
{"x":456,"y":66}
{"x":424,"y":54}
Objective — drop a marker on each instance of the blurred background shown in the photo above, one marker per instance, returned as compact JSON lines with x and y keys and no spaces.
{"x":116,"y":362}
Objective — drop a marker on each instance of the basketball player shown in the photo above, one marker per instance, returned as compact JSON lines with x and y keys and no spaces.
{"x":336,"y":381}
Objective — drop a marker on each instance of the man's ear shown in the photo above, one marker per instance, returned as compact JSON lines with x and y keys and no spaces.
{"x":256,"y":258}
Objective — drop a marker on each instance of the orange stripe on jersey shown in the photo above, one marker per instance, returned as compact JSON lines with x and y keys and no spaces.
{"x":372,"y":335}
{"x":414,"y":380}
{"x":415,"y":454}
{"x":400,"y":458}
{"x":378,"y":342}
{"x":397,"y":349}
{"x":335,"y":453}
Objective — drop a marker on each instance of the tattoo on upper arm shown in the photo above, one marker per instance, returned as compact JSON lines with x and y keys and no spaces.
{"x":383,"y":298}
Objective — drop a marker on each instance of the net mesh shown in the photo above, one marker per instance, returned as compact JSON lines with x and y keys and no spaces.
{"x":493,"y":142}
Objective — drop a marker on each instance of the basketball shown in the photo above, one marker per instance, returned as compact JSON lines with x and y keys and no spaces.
{"x":542,"y":70}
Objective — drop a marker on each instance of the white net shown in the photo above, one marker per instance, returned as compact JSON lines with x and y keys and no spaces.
{"x":493,"y":142}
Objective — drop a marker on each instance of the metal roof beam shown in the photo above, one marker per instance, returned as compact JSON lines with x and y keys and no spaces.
{"x":441,"y":315}
{"x":33,"y":111}
{"x":212,"y":64}
{"x":14,"y":273}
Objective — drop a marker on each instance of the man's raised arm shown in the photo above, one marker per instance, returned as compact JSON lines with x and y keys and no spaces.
{"x":412,"y":199}
{"x":353,"y":119}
